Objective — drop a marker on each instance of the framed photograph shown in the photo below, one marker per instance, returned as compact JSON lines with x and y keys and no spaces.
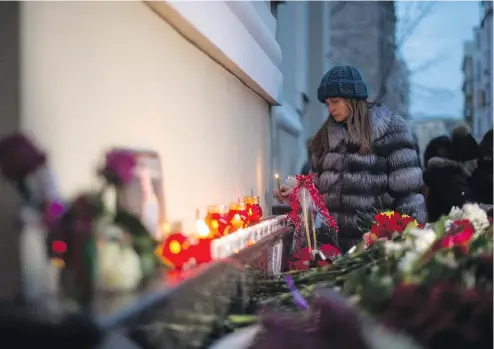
{"x":143,"y":196}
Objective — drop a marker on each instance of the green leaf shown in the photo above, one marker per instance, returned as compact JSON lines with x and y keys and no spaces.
{"x":439,"y":226}
{"x":242,"y":319}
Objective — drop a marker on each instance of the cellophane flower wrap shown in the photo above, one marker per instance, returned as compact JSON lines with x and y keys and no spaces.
{"x":306,"y":190}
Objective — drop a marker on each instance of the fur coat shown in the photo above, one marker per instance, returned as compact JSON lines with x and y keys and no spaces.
{"x":355,"y":185}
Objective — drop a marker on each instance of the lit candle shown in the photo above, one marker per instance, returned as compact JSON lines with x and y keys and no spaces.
{"x":278,"y":184}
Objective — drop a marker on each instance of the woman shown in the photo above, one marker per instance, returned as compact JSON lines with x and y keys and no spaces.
{"x":445,"y":177}
{"x":364,"y":157}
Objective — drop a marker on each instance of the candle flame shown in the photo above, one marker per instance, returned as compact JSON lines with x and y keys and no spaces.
{"x":202,"y":228}
{"x":276,"y":176}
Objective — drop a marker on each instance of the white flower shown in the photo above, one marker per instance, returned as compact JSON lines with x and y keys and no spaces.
{"x":391,"y":247}
{"x":425,"y":240}
{"x":119,"y":267}
{"x":455,"y":213}
{"x":448,"y":223}
{"x":415,"y":233}
{"x":407,"y":261}
{"x":476,"y":215}
{"x":448,"y":259}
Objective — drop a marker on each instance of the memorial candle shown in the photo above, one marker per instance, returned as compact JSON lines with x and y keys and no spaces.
{"x":217,"y":219}
{"x":237,"y":216}
{"x":278,"y":184}
{"x":254,"y":210}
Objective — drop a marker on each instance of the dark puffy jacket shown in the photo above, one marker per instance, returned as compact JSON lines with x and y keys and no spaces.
{"x":481,"y":180}
{"x":448,"y":186}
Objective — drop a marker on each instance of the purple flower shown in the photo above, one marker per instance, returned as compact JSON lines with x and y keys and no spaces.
{"x":119,"y":167}
{"x":298,"y":299}
{"x":53,"y":211}
{"x":19,"y":157}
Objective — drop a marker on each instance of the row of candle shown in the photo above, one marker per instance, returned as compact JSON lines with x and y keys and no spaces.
{"x":179,"y":250}
{"x":233,"y":243}
{"x":222,"y":220}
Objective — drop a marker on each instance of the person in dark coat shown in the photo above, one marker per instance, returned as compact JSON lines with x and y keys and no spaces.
{"x":364,"y":157}
{"x":481,"y":179}
{"x":465,"y":148}
{"x":445,"y":177}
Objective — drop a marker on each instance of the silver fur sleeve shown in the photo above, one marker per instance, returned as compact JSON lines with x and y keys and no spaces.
{"x":405,"y":174}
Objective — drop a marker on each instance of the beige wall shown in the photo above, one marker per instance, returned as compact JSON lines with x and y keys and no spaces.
{"x":103,"y":74}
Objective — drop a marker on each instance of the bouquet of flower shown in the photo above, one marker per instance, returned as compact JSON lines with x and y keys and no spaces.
{"x":89,"y":244}
{"x":387,"y":225}
{"x":433,"y":283}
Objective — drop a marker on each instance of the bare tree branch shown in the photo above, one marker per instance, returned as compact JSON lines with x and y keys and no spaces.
{"x":427,"y":64}
{"x":412,"y":21}
{"x":409,"y":24}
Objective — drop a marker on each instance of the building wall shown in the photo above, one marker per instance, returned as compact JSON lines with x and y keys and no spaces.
{"x":468,"y":82}
{"x":483,"y":100}
{"x":363,"y":35}
{"x":303,"y":37}
{"x":104,"y":74}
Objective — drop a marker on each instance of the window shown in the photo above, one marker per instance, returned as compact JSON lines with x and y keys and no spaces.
{"x":480,"y":98}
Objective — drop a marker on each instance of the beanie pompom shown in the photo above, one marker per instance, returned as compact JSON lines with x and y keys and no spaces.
{"x":460,"y":131}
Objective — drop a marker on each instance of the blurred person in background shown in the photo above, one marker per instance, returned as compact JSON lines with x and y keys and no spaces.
{"x":466,"y":150}
{"x":481,"y":179}
{"x":445,"y":178}
{"x":364,"y":157}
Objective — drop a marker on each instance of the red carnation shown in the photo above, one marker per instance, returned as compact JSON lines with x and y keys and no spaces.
{"x":119,"y":167}
{"x":19,"y":157}
{"x":460,"y":234}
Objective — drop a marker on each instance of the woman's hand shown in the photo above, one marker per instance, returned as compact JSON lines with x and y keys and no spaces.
{"x":283,"y":194}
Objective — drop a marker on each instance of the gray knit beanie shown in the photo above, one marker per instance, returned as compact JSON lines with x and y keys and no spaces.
{"x":342,"y":81}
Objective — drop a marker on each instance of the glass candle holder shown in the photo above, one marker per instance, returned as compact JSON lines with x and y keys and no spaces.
{"x":237,"y":216}
{"x":217,"y":220}
{"x":254,"y":210}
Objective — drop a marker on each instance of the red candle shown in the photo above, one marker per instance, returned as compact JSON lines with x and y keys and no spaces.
{"x":178,"y":251}
{"x":254,"y":210}
{"x":237,"y":216}
{"x":217,"y":220}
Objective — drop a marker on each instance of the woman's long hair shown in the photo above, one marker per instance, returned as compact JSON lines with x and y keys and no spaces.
{"x":358,"y":125}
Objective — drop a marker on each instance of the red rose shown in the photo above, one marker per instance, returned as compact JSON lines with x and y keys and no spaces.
{"x":330,"y":251}
{"x":378,"y":230}
{"x":303,"y":254}
{"x":19,"y":157}
{"x":298,"y":265}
